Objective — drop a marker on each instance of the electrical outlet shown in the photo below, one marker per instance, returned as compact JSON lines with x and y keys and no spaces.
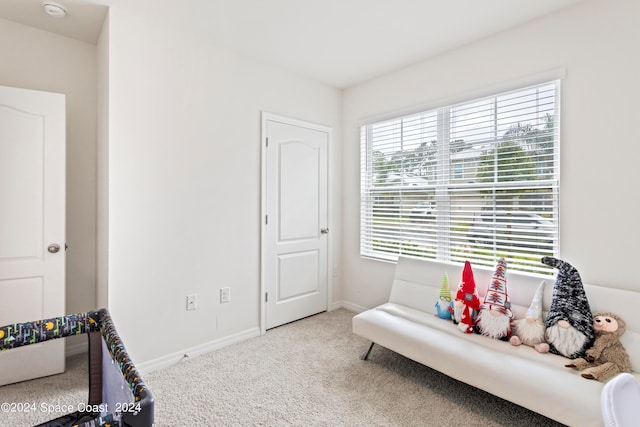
{"x":225,"y":295}
{"x":192,"y":302}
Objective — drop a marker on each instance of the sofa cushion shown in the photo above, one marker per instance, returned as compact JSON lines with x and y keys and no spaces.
{"x":417,"y":285}
{"x":448,"y":326}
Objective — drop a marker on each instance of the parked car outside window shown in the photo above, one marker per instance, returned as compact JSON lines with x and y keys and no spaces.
{"x":511,"y":228}
{"x":424,"y":210}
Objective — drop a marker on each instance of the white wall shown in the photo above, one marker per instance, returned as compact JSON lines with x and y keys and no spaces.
{"x":36,"y":59}
{"x":596,"y":42}
{"x":184,"y":181}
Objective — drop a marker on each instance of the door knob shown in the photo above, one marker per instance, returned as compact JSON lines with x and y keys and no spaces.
{"x":53,"y":248}
{"x":324,"y":230}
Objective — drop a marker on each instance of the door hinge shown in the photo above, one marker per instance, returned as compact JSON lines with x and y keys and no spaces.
{"x":267,"y":139}
{"x":266,"y":297}
{"x":266,"y":220}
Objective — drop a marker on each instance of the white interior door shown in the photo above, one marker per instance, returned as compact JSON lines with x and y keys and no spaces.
{"x":32,"y":219}
{"x":296,"y":230}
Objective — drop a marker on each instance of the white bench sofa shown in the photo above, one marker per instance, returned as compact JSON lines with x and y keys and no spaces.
{"x":408,"y":325}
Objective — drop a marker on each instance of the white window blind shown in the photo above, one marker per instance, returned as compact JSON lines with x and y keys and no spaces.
{"x":477,"y":180}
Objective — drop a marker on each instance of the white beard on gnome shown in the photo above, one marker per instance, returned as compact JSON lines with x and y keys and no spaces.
{"x":443,"y":305}
{"x":530,"y":331}
{"x":565,"y":338}
{"x":457,"y":311}
{"x":493,"y":324}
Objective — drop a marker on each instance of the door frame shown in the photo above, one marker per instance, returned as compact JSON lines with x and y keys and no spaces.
{"x":263,"y":208}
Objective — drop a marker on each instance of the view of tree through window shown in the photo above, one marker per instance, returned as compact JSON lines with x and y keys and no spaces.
{"x":476,"y":180}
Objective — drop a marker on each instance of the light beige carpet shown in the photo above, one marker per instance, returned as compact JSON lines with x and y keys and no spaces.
{"x":306,"y":373}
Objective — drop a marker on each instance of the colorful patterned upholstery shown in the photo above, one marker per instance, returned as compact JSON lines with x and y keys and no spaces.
{"x":21,"y":334}
{"x":119,"y":354}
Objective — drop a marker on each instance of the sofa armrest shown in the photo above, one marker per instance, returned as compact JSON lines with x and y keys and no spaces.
{"x":620,"y":400}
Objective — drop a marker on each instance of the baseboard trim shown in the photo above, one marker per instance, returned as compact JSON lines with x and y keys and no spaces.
{"x":347,"y":306}
{"x":172,"y":359}
{"x":336,"y":305}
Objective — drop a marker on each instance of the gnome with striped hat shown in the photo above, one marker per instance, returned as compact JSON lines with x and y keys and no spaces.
{"x":444,"y":305}
{"x":494,"y":319}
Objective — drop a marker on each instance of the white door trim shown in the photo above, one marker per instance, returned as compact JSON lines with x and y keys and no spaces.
{"x":263,"y":209}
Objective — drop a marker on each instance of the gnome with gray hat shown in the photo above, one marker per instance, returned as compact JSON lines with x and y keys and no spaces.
{"x":569,"y":321}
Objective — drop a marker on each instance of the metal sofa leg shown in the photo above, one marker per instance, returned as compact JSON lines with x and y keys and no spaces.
{"x":366,"y":355}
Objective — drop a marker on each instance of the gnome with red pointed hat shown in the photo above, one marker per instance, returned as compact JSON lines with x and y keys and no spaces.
{"x":467,"y":301}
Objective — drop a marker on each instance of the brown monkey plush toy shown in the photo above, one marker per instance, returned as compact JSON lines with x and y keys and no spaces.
{"x":607,"y":356}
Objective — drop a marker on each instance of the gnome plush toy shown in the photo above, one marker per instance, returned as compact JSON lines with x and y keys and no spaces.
{"x":467,"y":301}
{"x":444,"y":305}
{"x":569,"y":321}
{"x":530,"y":330}
{"x":494,"y":319}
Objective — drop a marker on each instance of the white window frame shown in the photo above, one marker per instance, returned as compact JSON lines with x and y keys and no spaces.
{"x":439,"y":245}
